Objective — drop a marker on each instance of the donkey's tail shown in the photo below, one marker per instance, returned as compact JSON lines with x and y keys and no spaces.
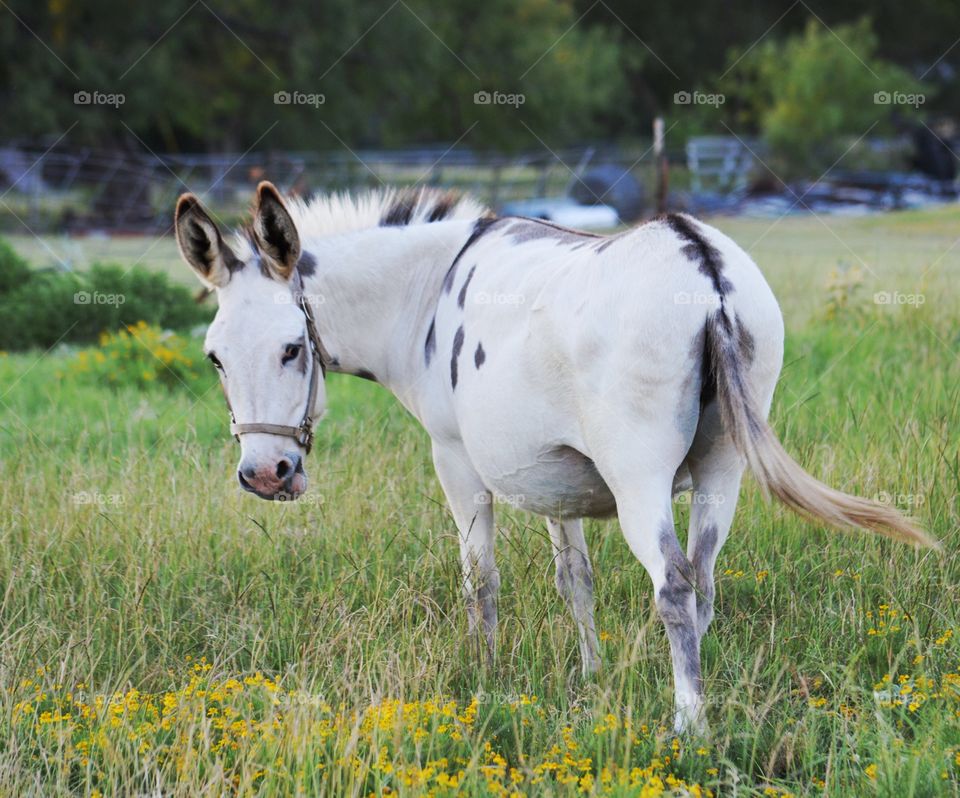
{"x":776,"y":471}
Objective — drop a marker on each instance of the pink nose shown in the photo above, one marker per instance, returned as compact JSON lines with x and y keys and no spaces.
{"x":281,"y":480}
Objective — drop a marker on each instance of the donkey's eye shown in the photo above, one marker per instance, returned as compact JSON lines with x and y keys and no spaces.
{"x":216,"y":362}
{"x":290,"y":353}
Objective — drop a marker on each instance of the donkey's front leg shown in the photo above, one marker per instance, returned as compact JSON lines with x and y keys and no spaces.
{"x":472,"y":507}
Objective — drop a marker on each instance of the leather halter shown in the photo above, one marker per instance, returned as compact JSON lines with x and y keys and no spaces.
{"x":303,"y":433}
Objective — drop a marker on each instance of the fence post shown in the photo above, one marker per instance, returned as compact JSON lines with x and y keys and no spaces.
{"x":660,"y":164}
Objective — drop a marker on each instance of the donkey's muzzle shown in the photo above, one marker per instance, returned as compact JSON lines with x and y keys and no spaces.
{"x":280,"y":481}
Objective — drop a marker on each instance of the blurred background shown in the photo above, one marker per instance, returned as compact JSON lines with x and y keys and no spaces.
{"x":593,"y":112}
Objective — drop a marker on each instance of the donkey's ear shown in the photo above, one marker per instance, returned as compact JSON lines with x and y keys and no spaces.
{"x":275,"y":232}
{"x":201,"y":244}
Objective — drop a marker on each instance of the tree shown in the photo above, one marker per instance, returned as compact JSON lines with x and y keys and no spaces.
{"x":204,"y":76}
{"x":812,"y":94}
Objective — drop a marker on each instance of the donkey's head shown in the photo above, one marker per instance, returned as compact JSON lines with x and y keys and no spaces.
{"x":262,"y":340}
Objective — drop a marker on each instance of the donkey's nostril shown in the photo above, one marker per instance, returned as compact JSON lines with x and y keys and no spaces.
{"x":284,"y":468}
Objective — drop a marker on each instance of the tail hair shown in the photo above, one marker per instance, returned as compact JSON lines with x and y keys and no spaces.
{"x":776,"y":471}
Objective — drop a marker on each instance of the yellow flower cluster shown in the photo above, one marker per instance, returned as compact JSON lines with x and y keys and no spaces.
{"x":433,"y":747}
{"x":885,"y":621}
{"x":913,"y":691}
{"x":140,"y":355}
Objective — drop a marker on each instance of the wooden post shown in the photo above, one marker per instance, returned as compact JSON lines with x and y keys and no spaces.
{"x":661,"y":165}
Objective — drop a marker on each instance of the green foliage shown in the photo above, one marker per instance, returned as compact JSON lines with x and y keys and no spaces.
{"x":142,"y":356}
{"x":389,"y":74}
{"x":814,"y":94}
{"x":47,"y":307}
{"x":14,"y":270}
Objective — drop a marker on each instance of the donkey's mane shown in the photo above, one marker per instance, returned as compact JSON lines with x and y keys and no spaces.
{"x":344,"y":213}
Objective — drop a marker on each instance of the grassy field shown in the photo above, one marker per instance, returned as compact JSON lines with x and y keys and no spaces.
{"x":164,"y":634}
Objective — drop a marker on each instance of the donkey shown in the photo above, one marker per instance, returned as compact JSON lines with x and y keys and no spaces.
{"x":574,"y":374}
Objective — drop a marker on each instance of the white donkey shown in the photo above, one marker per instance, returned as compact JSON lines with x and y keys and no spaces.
{"x":577,"y":375}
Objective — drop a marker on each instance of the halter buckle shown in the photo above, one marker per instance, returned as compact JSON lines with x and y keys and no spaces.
{"x":305,"y":435}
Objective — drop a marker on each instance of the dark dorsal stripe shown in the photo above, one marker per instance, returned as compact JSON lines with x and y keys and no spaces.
{"x":700,"y":251}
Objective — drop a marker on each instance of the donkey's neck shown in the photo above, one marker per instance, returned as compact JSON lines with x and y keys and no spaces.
{"x":374,"y":293}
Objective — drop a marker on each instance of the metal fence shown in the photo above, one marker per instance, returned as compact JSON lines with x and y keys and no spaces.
{"x":90,"y":189}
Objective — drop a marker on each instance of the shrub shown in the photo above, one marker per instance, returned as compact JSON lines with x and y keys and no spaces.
{"x":143,"y":356}
{"x":42,"y":308}
{"x":14,"y":270}
{"x":813,"y":94}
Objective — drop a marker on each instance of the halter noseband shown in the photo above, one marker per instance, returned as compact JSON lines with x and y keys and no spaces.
{"x":303,"y":433}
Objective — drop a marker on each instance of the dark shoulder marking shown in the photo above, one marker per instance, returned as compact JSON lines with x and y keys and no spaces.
{"x":481,"y":226}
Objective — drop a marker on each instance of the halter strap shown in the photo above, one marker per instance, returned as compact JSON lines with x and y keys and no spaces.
{"x":303,"y":433}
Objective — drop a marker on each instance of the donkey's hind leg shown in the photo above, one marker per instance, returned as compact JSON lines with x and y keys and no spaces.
{"x":639,"y":461}
{"x":716,"y":468}
{"x":575,"y":584}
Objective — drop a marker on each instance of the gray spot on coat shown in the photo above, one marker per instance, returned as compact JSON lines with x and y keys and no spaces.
{"x":457,"y":346}
{"x":307,"y":264}
{"x":479,"y":356}
{"x":462,"y":298}
{"x":430,"y":344}
{"x":673,"y":604}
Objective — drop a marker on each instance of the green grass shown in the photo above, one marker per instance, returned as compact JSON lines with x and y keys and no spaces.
{"x":130,"y":560}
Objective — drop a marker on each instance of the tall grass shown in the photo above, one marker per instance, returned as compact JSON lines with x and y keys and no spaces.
{"x":204,"y":642}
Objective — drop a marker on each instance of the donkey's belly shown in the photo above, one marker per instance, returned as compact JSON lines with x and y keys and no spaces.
{"x":562,"y":483}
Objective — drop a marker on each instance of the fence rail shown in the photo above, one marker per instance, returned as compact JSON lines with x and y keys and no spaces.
{"x":91,"y":189}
